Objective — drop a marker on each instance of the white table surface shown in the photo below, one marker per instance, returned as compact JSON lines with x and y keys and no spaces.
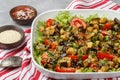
{"x":39,"y":5}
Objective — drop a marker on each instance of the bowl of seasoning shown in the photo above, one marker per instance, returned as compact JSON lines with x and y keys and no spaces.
{"x":23,"y":14}
{"x":11,"y":36}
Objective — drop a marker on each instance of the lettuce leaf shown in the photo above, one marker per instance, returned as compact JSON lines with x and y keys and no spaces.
{"x":88,"y":19}
{"x":63,"y":18}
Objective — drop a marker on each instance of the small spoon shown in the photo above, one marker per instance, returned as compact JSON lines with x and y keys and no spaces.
{"x":14,"y":61}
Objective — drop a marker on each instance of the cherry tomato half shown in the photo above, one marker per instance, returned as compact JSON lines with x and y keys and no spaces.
{"x":49,"y":22}
{"x":77,"y":22}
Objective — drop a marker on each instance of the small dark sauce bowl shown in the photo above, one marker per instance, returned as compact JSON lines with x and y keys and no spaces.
{"x":22,"y":21}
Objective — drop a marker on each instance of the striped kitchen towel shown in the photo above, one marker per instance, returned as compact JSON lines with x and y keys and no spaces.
{"x":28,"y":70}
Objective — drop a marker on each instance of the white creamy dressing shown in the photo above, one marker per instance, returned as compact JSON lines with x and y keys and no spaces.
{"x":9,"y":36}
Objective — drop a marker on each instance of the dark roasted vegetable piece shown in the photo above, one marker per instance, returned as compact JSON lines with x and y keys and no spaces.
{"x":63,"y":64}
{"x":63,"y":43}
{"x":117,"y":21}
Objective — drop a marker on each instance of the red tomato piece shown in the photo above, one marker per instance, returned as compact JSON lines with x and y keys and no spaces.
{"x":49,"y":22}
{"x":47,"y":42}
{"x":45,"y":59}
{"x":73,"y":57}
{"x":84,"y":57}
{"x":53,"y":45}
{"x":107,"y":26}
{"x":77,"y":22}
{"x":59,"y":69}
{"x":102,"y":55}
{"x":105,"y":33}
{"x":94,"y":65}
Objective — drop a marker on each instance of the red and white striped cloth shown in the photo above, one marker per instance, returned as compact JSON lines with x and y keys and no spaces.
{"x":28,"y":70}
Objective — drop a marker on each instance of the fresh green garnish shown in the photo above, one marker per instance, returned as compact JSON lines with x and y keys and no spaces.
{"x":63,"y":18}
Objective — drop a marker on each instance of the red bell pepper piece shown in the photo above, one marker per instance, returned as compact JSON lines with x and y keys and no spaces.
{"x":73,"y":57}
{"x":102,"y":55}
{"x":84,"y":57}
{"x":77,"y":22}
{"x":47,"y":42}
{"x":59,"y":69}
{"x":53,"y":45}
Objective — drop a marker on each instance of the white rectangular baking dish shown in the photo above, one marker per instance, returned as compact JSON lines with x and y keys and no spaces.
{"x":86,"y":12}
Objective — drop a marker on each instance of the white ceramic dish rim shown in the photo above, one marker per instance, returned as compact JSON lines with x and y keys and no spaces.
{"x":80,"y":73}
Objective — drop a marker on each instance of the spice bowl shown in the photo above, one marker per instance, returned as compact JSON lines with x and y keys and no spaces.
{"x":23,"y":14}
{"x":11,"y":36}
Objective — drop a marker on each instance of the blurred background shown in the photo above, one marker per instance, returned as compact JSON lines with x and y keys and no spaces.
{"x":40,"y":5}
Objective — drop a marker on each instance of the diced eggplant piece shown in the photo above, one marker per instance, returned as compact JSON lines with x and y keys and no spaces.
{"x":117,"y":21}
{"x":79,"y":63}
{"x":63,"y":64}
{"x":64,"y":49}
{"x":115,"y":27}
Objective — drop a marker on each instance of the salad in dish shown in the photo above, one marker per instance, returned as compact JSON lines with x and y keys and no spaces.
{"x":72,"y":43}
